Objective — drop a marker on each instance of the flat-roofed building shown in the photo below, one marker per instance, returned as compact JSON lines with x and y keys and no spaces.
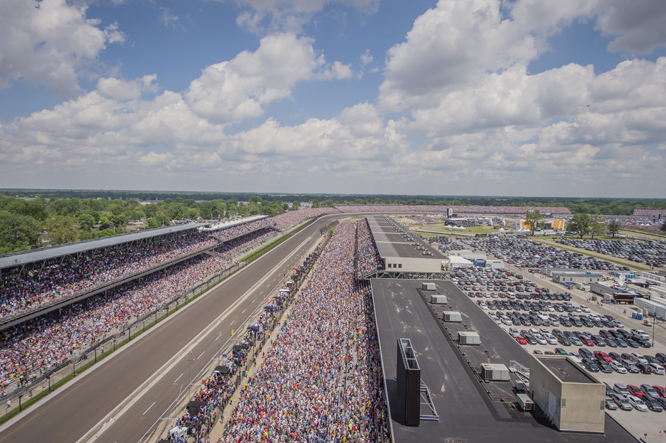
{"x":403,"y":254}
{"x":569,"y":396}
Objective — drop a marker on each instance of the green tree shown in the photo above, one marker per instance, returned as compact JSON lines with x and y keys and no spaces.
{"x":295,"y":205}
{"x":153,"y":223}
{"x":614,"y":228}
{"x":120,"y":221}
{"x":533,"y":220}
{"x":580,"y":224}
{"x":61,"y":229}
{"x":17,"y":232}
{"x":597,"y":225}
{"x":86,"y":222}
{"x":107,"y":232}
{"x":136,"y":214}
{"x":193,"y":213}
{"x":315,"y":203}
{"x":328,"y":204}
{"x":162,"y":218}
{"x":255,"y":199}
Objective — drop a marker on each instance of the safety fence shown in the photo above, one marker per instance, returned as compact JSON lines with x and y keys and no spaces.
{"x":243,"y":351}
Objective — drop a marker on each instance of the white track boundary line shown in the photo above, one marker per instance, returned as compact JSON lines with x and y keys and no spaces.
{"x":130,"y":400}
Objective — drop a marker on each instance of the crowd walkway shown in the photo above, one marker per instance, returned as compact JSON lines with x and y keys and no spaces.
{"x":321,"y":380}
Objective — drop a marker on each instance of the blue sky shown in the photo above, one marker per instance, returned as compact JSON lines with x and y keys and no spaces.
{"x":351,"y":96}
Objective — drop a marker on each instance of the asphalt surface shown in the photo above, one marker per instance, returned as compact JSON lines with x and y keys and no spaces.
{"x":73,"y":412}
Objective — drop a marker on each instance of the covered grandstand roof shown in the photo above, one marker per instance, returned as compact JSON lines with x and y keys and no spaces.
{"x":22,"y":258}
{"x":219,"y":226}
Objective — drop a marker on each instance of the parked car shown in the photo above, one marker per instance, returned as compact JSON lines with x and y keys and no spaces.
{"x":653,"y":404}
{"x":637,"y":403}
{"x":599,"y":355}
{"x":611,"y":405}
{"x":649,"y":390}
{"x":590,"y":365}
{"x":621,"y":389}
{"x":618,"y":367}
{"x":635,"y":391}
{"x":656,"y":369}
{"x":622,"y":402}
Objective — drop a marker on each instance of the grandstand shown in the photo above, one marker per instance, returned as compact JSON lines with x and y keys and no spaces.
{"x":40,"y":281}
{"x":471,"y":209}
{"x":650,"y":213}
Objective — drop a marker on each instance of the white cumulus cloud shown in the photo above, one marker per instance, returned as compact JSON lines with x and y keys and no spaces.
{"x":49,"y":42}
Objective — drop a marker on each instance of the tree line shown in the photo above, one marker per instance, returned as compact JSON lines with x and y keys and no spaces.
{"x":27,"y":223}
{"x":605,"y":206}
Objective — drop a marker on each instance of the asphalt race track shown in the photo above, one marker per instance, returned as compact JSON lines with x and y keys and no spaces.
{"x":71,"y":413}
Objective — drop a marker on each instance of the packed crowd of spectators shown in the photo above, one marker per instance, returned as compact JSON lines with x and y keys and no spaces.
{"x":23,"y":291}
{"x":235,"y":231}
{"x":472,"y":209}
{"x":644,"y":212}
{"x":292,"y":218}
{"x":45,"y":342}
{"x":322,"y":379}
{"x":214,"y":393}
{"x":367,"y":259}
{"x":232,"y":247}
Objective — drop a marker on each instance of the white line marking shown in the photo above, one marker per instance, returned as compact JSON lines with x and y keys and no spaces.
{"x":178,"y":378}
{"x":243,"y":311}
{"x":201,"y":354}
{"x":149,"y":408}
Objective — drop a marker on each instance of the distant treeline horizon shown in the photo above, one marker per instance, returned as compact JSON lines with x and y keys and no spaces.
{"x":587,"y":205}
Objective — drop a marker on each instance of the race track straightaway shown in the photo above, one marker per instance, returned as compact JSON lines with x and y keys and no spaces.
{"x":70,"y":414}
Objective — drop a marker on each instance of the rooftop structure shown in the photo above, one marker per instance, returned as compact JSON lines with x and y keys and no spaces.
{"x":402,"y":253}
{"x":231,"y":224}
{"x":466,"y":411}
{"x":570,"y":397}
{"x":32,"y":256}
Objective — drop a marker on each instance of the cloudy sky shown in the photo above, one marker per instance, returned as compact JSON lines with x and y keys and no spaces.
{"x":473,"y":97}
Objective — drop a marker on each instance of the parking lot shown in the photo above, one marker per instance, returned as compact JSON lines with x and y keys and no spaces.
{"x":552,"y":319}
{"x":649,"y":252}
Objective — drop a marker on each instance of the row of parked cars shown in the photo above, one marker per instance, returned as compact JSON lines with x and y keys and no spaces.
{"x":649,"y":252}
{"x":529,"y":254}
{"x":613,"y":338}
{"x":625,"y":363}
{"x":542,"y":314}
{"x":641,"y":398}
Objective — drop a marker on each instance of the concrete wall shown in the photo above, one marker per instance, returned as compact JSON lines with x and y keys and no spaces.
{"x":578,"y":406}
{"x":576,"y":278}
{"x":583,"y":407}
{"x":414,"y":264}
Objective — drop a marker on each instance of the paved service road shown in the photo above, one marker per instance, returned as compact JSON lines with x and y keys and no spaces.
{"x":73,"y":412}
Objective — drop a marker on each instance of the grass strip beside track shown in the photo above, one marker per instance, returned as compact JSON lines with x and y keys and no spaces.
{"x":34,"y":399}
{"x":245,"y":261}
{"x":272,"y":245}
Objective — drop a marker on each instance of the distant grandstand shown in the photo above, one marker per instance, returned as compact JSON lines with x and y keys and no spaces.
{"x":651,"y":213}
{"x":472,"y":209}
